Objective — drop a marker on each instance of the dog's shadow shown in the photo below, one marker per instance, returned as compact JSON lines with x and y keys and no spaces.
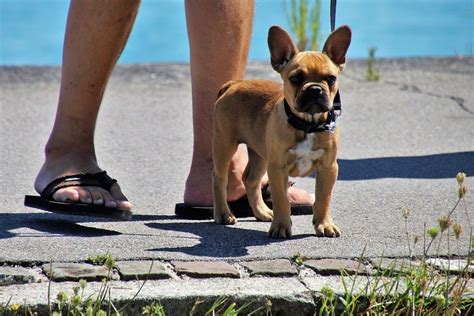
{"x":219,"y":240}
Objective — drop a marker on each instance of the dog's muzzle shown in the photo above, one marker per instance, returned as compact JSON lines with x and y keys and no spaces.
{"x":313,"y":100}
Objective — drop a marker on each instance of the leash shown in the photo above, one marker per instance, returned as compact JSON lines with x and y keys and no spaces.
{"x":337,"y":105}
{"x":333,"y":14}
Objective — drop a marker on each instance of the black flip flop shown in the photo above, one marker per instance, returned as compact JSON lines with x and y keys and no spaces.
{"x":240,"y":207}
{"x":101,"y":179}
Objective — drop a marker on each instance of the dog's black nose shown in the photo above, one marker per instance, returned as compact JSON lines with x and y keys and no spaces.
{"x":315,"y":90}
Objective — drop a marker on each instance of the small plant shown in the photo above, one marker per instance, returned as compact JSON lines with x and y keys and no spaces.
{"x":299,"y":259}
{"x":154,"y":309}
{"x":305,"y":23}
{"x":417,"y":290}
{"x":372,"y":74}
{"x":99,"y":259}
{"x":328,"y":302}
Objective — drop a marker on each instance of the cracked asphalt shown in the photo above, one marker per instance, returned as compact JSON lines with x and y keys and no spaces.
{"x":403,"y":139}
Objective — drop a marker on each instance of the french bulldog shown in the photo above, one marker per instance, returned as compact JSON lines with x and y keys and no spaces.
{"x":289,"y":130}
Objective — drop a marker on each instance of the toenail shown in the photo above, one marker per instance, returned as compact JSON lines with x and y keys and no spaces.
{"x":99,"y":201}
{"x":111,"y":204}
{"x":88,"y":200}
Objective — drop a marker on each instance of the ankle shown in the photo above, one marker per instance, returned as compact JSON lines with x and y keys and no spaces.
{"x":57,"y":151}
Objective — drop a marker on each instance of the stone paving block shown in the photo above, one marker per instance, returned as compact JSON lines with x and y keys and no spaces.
{"x":140,"y":269}
{"x":335,"y":266}
{"x":454,"y":265}
{"x":205,"y":269}
{"x":396,"y":265}
{"x":74,"y":271}
{"x":18,"y":275}
{"x":273,"y":268}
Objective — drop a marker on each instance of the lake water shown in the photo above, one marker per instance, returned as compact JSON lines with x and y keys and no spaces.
{"x":32,"y":31}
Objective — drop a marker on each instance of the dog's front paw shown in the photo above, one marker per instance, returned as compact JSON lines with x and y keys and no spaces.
{"x":280,"y":230}
{"x":225,"y":218}
{"x":326,"y":228}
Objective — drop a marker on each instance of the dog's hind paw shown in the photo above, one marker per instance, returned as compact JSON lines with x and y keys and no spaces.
{"x":225,"y":219}
{"x":326,"y":228}
{"x":264,"y":216}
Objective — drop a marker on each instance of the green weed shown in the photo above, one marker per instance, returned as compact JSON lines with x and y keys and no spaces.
{"x":305,"y":23}
{"x":299,"y":259}
{"x":372,"y":74}
{"x":414,"y":289}
{"x":99,"y":259}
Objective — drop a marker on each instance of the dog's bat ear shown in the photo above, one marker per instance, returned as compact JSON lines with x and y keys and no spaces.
{"x":337,"y":44}
{"x":282,"y":48}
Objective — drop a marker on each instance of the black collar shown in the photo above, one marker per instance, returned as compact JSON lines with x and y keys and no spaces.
{"x":315,"y":127}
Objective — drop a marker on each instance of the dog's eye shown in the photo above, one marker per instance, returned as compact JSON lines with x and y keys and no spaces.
{"x":297,"y":79}
{"x":331,"y":80}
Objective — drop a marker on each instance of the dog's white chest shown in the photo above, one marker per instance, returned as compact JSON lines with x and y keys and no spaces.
{"x":305,"y":155}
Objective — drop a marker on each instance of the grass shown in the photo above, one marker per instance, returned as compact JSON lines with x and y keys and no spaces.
{"x":305,"y":23}
{"x":99,"y":259}
{"x":419,"y":289}
{"x":372,"y":74}
{"x":299,"y":259}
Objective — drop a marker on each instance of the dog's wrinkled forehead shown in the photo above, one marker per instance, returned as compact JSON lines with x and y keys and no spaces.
{"x":314,"y":65}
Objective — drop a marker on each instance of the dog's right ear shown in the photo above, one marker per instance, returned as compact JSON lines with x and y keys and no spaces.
{"x":282,"y":48}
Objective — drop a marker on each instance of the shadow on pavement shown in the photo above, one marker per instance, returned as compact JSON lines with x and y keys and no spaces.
{"x":219,"y":240}
{"x":439,"y":166}
{"x":46,"y":223}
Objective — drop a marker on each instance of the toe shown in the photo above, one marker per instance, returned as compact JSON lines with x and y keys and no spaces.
{"x":109,"y":200}
{"x":97,"y":196}
{"x":119,"y":197}
{"x":66,"y":195}
{"x":84,"y":195}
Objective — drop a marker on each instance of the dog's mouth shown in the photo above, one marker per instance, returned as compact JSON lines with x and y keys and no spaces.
{"x":313,"y":102}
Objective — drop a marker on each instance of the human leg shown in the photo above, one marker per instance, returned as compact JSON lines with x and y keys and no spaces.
{"x":219,"y":37}
{"x":96,"y":33}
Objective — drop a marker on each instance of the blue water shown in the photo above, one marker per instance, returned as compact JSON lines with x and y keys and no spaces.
{"x":32,"y":31}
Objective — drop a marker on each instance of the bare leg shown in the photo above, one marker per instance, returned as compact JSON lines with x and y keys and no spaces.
{"x":96,"y":33}
{"x":219,"y":36}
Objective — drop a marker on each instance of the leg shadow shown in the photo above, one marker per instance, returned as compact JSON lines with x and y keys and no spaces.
{"x":439,"y":166}
{"x":48,"y":224}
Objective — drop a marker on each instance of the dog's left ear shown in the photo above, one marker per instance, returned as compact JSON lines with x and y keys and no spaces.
{"x":282,"y":48}
{"x":337,"y":44}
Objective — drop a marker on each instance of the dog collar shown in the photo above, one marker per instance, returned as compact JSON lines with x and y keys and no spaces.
{"x":315,"y":127}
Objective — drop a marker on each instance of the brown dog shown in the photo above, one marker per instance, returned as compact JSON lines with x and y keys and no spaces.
{"x":289,"y":131}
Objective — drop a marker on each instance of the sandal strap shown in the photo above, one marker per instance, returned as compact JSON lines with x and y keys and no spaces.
{"x":100,"y":179}
{"x":267,"y":195}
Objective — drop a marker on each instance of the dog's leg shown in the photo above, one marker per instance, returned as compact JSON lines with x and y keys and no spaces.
{"x":325,"y":179}
{"x":252,"y":177}
{"x":278,"y":179}
{"x":222,"y":153}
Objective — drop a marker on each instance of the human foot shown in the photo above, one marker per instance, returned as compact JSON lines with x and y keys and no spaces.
{"x":198,"y":189}
{"x":57,"y":166}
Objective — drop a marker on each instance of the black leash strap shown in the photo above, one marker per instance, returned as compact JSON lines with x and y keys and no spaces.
{"x":333,"y":14}
{"x":337,"y":99}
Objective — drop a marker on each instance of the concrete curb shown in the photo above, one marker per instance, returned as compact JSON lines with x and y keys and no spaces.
{"x":280,"y":286}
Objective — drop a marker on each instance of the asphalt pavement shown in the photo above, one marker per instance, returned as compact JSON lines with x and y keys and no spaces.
{"x":403,"y":139}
